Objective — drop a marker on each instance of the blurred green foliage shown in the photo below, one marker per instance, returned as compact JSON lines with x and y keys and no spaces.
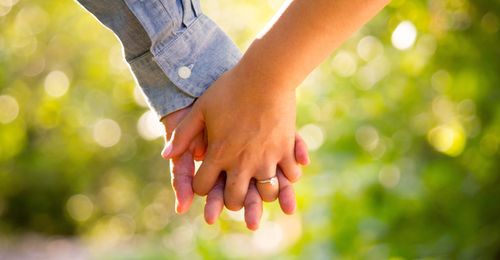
{"x":403,"y":124}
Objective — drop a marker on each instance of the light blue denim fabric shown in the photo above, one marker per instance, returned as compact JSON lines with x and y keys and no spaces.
{"x":174,"y":50}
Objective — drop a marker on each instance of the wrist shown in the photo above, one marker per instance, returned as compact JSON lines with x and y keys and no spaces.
{"x":171,"y":120}
{"x":259,"y":71}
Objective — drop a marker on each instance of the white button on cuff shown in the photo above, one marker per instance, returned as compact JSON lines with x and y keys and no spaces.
{"x":184,"y":72}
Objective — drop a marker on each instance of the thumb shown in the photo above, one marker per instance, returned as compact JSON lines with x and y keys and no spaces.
{"x":184,"y":133}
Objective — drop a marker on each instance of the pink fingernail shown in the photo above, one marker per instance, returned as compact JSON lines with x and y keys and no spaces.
{"x":167,"y":151}
{"x":177,"y":207}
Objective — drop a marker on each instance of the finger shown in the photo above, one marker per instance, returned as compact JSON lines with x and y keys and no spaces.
{"x":215,"y":201}
{"x":198,"y":147}
{"x":290,"y":169}
{"x":235,"y":190}
{"x":206,"y":177}
{"x":181,"y":172}
{"x":301,"y":151}
{"x":171,"y":120}
{"x":286,"y":194}
{"x":266,"y":184}
{"x":184,"y":133}
{"x":253,"y":207}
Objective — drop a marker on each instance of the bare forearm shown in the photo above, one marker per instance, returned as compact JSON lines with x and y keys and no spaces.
{"x":302,"y":35}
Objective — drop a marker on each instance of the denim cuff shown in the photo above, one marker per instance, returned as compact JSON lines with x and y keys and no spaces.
{"x":162,"y":95}
{"x":197,"y":56}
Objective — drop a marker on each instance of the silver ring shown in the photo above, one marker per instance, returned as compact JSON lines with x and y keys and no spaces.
{"x":273,"y":181}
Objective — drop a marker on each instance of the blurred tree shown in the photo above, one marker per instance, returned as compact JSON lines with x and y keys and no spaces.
{"x":403,"y":124}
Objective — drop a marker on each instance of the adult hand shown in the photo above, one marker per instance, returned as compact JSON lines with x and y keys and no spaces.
{"x":253,"y":201}
{"x":250,"y":130}
{"x":182,"y":167}
{"x":182,"y":172}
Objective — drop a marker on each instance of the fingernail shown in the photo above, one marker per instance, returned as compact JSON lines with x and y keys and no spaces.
{"x":167,"y":150}
{"x":177,"y":207}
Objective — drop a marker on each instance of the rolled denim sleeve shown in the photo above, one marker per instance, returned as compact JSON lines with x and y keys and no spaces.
{"x":189,"y":47}
{"x":174,"y":51}
{"x":162,"y":95}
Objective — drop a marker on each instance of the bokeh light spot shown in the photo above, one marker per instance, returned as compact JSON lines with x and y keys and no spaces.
{"x":268,"y":237}
{"x":139,"y":97}
{"x":109,"y":231}
{"x":35,"y":67}
{"x":6,"y":6}
{"x":448,"y":139}
{"x":236,"y":215}
{"x":313,"y":136}
{"x":467,"y":109}
{"x":180,"y":239}
{"x":56,"y":84}
{"x":426,"y":45}
{"x":367,"y":137}
{"x":107,"y":133}
{"x":149,"y":127}
{"x":31,"y":19}
{"x":404,"y":35}
{"x":441,"y":81}
{"x":155,"y":216}
{"x":369,"y":48}
{"x":389,"y":176}
{"x":344,"y":64}
{"x":443,"y":108}
{"x":372,"y":73}
{"x":489,"y":22}
{"x":80,"y":207}
{"x":9,"y":109}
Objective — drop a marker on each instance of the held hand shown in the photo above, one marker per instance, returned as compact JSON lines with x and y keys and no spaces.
{"x":253,"y":202}
{"x":250,"y":132}
{"x":182,"y":167}
{"x":182,"y":171}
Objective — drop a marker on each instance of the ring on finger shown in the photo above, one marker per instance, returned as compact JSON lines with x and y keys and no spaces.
{"x":273,"y":181}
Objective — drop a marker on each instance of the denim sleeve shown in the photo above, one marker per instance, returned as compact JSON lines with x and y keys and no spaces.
{"x":162,"y":95}
{"x":189,"y":47}
{"x":146,"y":26}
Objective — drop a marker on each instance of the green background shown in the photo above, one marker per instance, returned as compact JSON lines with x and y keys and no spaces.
{"x":404,"y":143}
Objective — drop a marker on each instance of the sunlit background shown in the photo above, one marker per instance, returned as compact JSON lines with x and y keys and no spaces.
{"x":402,"y":123}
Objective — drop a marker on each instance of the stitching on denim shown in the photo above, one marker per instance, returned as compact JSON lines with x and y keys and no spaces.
{"x":139,"y":57}
{"x":184,"y":34}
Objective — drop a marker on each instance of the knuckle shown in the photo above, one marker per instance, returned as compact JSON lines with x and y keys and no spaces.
{"x":254,"y":203}
{"x":265,"y":173}
{"x":218,"y":151}
{"x":269,"y":198}
{"x":219,"y":186}
{"x":199,"y":189}
{"x":213,"y":199}
{"x":233,"y":206}
{"x":180,"y":181}
{"x":286,"y":190}
{"x":180,"y":169}
{"x":294,"y":177}
{"x":232,"y":203}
